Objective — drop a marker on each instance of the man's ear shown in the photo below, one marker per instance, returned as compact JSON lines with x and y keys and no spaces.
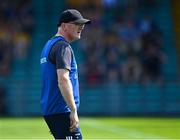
{"x":64,"y":26}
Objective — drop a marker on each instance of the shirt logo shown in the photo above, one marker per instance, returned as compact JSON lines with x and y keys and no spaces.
{"x":68,"y":137}
{"x":43,"y":60}
{"x":75,"y":76}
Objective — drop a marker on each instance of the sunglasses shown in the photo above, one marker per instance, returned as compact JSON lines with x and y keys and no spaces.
{"x":78,"y":24}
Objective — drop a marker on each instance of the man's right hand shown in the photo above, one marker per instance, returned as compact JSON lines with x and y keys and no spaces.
{"x":74,"y":121}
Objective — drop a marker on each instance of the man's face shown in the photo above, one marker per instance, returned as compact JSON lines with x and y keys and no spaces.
{"x":74,"y":30}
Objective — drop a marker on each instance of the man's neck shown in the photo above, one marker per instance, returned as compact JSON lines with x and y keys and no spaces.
{"x":58,"y":34}
{"x":61,"y":33}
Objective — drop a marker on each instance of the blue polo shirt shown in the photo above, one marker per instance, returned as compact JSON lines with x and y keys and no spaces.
{"x":57,"y":54}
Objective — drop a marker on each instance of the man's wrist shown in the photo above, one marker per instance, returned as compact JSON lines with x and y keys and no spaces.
{"x":73,"y":109}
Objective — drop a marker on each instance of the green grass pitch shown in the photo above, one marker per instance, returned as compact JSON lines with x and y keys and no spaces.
{"x":95,"y":128}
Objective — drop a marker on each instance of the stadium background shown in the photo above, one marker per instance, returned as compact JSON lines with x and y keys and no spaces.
{"x":116,"y":76}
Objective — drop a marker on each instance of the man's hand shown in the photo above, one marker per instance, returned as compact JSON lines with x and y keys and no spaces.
{"x":74,"y":121}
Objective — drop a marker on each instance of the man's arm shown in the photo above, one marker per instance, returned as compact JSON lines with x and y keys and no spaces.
{"x":65,"y":87}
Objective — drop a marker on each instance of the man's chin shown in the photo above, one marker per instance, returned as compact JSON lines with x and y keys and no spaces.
{"x":78,"y":37}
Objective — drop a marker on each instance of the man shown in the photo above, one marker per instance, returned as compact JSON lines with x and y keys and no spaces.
{"x":60,"y":88}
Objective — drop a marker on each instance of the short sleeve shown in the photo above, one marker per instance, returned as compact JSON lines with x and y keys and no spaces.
{"x":61,"y":55}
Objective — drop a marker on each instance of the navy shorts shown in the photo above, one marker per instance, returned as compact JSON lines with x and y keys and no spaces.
{"x":59,"y":126}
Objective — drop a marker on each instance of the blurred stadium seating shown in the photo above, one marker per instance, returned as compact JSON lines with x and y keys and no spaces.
{"x":22,"y":84}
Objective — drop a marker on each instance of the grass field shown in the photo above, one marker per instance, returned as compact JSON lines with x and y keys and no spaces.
{"x":95,"y":128}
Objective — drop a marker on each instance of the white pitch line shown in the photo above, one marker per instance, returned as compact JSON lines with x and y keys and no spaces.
{"x":124,"y":132}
